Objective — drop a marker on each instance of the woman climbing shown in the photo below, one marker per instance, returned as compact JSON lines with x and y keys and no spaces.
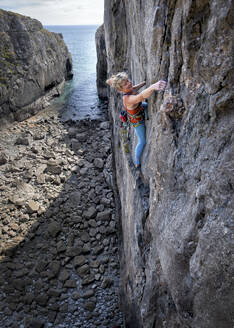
{"x":135,"y":106}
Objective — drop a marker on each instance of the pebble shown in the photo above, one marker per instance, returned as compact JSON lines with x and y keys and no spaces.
{"x":32,"y":206}
{"x":54,"y":228}
{"x":79,"y":260}
{"x":98,"y":162}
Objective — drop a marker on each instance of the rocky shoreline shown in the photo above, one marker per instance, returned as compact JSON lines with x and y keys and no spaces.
{"x":59,"y":250}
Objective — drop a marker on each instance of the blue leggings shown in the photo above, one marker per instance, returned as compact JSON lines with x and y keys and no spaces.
{"x":141,"y":138}
{"x":141,"y":141}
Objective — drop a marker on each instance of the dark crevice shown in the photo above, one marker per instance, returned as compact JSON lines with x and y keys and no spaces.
{"x":69,"y":74}
{"x":50,"y":86}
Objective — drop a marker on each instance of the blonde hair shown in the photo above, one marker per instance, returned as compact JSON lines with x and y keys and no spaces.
{"x":116,"y":81}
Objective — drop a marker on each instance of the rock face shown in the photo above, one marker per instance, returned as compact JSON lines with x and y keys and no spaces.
{"x":34,"y":63}
{"x":101,"y":63}
{"x":176,"y":218}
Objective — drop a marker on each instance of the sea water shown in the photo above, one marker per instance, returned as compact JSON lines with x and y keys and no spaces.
{"x":80,"y":99}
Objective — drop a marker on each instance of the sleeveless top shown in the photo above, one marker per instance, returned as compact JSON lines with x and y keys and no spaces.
{"x":135,"y":116}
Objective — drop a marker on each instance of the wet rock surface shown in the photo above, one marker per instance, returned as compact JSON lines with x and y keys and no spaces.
{"x":59,"y":252}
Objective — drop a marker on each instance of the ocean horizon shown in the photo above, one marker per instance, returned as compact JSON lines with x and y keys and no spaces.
{"x":45,"y":26}
{"x":80,"y":99}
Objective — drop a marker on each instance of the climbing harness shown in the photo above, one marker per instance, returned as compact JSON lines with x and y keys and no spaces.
{"x":135,"y":116}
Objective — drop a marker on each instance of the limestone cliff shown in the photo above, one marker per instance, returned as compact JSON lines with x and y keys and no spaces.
{"x":176,"y":222}
{"x":34,"y":64}
{"x":101,"y":63}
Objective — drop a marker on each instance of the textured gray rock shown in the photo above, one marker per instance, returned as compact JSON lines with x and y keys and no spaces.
{"x":98,"y":162}
{"x":54,"y":228}
{"x":101,"y":64}
{"x":34,"y":63}
{"x":176,"y":221}
{"x":3,"y":158}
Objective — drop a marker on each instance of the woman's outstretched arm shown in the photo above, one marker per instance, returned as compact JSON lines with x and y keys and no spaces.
{"x":134,"y":99}
{"x":138,"y":86}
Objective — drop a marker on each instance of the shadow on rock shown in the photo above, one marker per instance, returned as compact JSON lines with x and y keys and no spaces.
{"x":59,"y":264}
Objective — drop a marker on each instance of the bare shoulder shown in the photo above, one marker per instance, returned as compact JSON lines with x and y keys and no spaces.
{"x":133,"y":99}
